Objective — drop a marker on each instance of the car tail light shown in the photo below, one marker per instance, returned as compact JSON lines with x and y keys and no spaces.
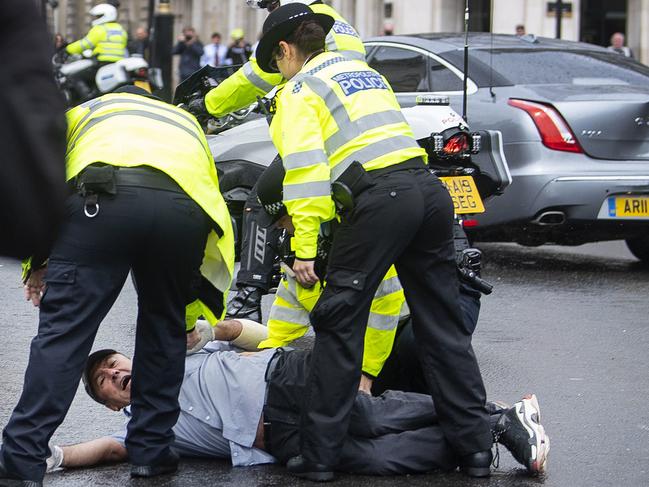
{"x":470,"y":223}
{"x":457,"y":144}
{"x":555,"y":132}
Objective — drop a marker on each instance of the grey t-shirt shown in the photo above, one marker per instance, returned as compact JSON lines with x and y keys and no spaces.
{"x":221,"y":401}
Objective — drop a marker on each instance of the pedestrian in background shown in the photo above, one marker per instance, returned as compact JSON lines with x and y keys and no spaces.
{"x":520,"y":30}
{"x":215,"y":52}
{"x":140,"y":43}
{"x":240,"y":50}
{"x":190,"y":49}
{"x":32,"y":134}
{"x":59,"y":42}
{"x":617,"y":45}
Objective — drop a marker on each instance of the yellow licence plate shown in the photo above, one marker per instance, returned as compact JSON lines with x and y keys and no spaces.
{"x":464,"y":192}
{"x":628,"y":206}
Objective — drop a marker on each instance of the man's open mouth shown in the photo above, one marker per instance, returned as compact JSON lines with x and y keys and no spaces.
{"x":125,"y":381}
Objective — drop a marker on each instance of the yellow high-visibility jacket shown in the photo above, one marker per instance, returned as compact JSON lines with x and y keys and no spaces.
{"x":127,"y":130}
{"x":250,"y":81}
{"x":289,"y":318}
{"x":333,"y":112}
{"x":107,"y":41}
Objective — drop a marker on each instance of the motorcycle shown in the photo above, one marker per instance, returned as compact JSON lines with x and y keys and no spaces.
{"x":81,"y":78}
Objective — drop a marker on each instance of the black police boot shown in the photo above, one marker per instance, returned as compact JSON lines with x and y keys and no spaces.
{"x":8,"y":480}
{"x":246,"y":304}
{"x":477,"y":464}
{"x":315,"y":472}
{"x":166,"y":466}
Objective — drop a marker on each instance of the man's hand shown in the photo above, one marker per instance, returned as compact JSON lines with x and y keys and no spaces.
{"x":366,"y":385}
{"x":35,"y":286}
{"x":305,"y":272}
{"x":199,"y":337}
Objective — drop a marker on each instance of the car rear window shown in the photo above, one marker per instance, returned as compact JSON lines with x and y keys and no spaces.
{"x":533,"y":67}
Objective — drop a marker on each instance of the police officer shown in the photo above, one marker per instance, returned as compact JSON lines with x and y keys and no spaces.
{"x":238,"y":91}
{"x":289,"y":314}
{"x":107,"y":39}
{"x":352,"y":141}
{"x":146,"y":200}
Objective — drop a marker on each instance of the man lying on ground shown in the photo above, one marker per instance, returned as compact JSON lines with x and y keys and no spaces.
{"x":223,"y":415}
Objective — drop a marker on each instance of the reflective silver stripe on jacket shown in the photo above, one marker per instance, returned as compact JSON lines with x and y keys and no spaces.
{"x":96,"y":104}
{"x":382,"y":322}
{"x":290,"y":315}
{"x":285,"y":293}
{"x":348,"y":130}
{"x":306,"y":158}
{"x":373,"y":151}
{"x":387,"y":287}
{"x":255,"y":79}
{"x":330,"y":42}
{"x":351,"y":54}
{"x":307,"y":190}
{"x":137,"y":113}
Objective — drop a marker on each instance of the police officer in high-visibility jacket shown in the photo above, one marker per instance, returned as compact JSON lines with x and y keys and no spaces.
{"x":289,"y":315}
{"x":339,"y":131}
{"x":145,"y":199}
{"x":238,"y":91}
{"x":107,"y":39}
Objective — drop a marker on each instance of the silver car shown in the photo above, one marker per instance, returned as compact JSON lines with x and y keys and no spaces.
{"x":575,"y":124}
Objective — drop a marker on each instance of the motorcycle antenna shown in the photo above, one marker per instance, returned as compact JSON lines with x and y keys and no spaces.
{"x":466,"y":59}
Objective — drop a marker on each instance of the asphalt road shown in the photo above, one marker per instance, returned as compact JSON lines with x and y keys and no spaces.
{"x":570,"y":324}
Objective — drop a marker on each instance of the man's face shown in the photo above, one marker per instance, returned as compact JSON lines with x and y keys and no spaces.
{"x":111,"y":381}
{"x":141,"y":33}
{"x":216,"y":40}
{"x":617,"y":40}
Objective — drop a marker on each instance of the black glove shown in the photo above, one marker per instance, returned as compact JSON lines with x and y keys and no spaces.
{"x":197,"y":108}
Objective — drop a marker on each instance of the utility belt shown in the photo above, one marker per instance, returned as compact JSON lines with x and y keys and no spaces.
{"x":356,"y":179}
{"x":100,"y":178}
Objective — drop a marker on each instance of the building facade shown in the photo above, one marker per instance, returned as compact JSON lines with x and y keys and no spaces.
{"x":588,"y":20}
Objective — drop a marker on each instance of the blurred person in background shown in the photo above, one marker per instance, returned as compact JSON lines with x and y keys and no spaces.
{"x":59,"y":42}
{"x":190,"y":50}
{"x":214,"y":53}
{"x":520,"y":30}
{"x":617,"y":45}
{"x":32,"y":135}
{"x":140,"y":44}
{"x":240,"y":50}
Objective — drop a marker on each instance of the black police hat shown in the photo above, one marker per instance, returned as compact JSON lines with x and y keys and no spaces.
{"x":270,"y":193}
{"x":280,"y":24}
{"x":93,"y":360}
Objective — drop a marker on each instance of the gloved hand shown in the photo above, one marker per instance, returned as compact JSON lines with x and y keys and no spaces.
{"x":55,"y":460}
{"x":197,"y":108}
{"x":206,"y":334}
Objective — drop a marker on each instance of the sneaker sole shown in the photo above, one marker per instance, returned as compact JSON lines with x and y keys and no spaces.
{"x":539,"y":441}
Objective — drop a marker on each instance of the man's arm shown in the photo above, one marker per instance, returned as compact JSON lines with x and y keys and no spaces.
{"x":95,"y":452}
{"x":241,"y":89}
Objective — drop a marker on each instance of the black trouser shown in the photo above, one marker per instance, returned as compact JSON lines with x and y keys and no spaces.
{"x":160,"y":236}
{"x":257,"y":257}
{"x":402,"y":370}
{"x":406,"y":218}
{"x":394,"y":433}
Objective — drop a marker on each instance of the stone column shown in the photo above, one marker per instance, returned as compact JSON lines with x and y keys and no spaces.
{"x":637,"y":29}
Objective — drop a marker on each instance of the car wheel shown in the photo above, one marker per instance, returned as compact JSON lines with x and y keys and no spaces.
{"x":639,"y":247}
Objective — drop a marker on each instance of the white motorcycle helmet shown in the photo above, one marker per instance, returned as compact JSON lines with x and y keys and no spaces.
{"x":271,"y":5}
{"x":103,"y":13}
